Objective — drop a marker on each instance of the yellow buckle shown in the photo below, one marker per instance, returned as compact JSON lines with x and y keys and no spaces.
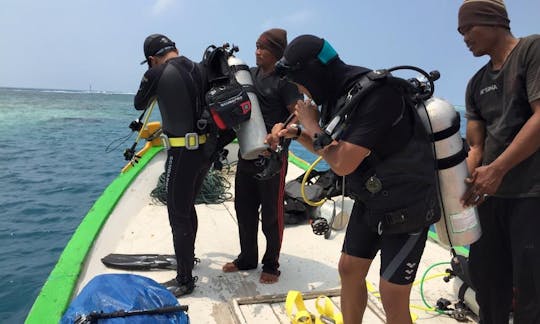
{"x":190,"y":141}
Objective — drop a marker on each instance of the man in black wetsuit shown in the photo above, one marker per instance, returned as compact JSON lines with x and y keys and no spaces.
{"x":388,"y":159}
{"x":277,"y":98}
{"x":176,"y":83}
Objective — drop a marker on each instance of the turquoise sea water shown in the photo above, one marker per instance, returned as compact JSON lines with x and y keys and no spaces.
{"x":53,"y":166}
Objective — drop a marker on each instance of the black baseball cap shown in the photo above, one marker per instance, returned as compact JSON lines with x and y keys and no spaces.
{"x":157,"y":44}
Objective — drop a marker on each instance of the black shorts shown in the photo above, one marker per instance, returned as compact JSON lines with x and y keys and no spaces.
{"x":400,"y":253}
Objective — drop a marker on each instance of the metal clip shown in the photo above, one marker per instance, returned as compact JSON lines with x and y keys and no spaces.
{"x":192,"y":141}
{"x":165,"y":141}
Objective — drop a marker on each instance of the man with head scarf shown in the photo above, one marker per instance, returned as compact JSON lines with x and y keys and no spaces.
{"x":276,"y":98}
{"x":383,"y":142}
{"x":503,"y":132}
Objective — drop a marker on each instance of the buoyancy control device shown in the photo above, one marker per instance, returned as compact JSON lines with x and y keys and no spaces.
{"x":232,"y":101}
{"x":460,"y":225}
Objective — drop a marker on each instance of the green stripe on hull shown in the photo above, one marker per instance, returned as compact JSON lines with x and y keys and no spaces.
{"x":55,"y":295}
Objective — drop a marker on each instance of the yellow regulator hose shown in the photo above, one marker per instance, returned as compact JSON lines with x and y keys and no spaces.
{"x":303,"y":185}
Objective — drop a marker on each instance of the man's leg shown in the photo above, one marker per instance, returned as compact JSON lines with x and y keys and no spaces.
{"x":395,"y":299}
{"x":184,"y":170}
{"x":353,"y":271}
{"x":272,"y":192}
{"x":246,"y":204}
{"x":490,"y":262}
{"x":400,"y":257}
{"x":524,"y":224}
{"x":359,"y":248}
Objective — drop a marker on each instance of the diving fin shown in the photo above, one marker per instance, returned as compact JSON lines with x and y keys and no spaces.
{"x":140,"y":262}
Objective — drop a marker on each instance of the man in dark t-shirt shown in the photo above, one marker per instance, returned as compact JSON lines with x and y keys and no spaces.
{"x":276,"y":98}
{"x":503,"y":132}
{"x":383,"y":125}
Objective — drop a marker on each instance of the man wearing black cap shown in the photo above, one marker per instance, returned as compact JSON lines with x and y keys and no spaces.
{"x":276,"y":99}
{"x":387,"y":157}
{"x":176,"y":83}
{"x":503,"y":132}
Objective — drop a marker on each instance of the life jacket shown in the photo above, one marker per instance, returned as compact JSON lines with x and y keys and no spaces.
{"x":399,"y":193}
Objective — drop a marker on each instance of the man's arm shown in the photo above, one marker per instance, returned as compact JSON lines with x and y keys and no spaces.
{"x":342,"y":157}
{"x":147,"y":89}
{"x":476,"y":133}
{"x":526,"y":142}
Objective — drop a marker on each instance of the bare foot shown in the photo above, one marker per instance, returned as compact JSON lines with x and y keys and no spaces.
{"x":229,"y":267}
{"x":268,"y":278}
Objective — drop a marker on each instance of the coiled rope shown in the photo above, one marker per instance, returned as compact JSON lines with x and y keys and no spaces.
{"x":214,"y":189}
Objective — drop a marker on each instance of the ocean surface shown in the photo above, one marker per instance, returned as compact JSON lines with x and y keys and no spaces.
{"x":53,"y":166}
{"x":59,"y":150}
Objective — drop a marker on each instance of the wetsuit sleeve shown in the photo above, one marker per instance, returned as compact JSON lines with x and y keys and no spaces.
{"x":533,"y":71}
{"x":147,"y":88}
{"x":373,"y":118}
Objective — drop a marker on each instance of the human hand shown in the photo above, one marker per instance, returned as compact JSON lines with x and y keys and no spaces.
{"x":307,"y":113}
{"x":272,"y":139}
{"x":484,"y":181}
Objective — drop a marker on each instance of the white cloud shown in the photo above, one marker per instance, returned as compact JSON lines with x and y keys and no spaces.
{"x":161,"y":6}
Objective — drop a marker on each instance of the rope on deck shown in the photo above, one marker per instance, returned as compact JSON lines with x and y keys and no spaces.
{"x":214,"y":190}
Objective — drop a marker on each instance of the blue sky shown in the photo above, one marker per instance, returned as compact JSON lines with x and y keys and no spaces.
{"x":73,"y":44}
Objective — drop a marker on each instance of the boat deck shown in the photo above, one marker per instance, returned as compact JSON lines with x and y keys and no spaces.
{"x":308,"y":262}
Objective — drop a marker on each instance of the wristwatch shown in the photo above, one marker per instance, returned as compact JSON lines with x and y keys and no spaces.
{"x":298,"y":132}
{"x":321,"y":140}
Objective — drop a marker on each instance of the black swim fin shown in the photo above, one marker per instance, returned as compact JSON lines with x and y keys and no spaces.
{"x":140,"y":262}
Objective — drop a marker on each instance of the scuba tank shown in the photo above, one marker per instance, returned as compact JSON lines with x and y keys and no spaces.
{"x":252,"y":133}
{"x":459,"y":226}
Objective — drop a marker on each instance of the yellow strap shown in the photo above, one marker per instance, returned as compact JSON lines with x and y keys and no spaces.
{"x":327,"y":310}
{"x":295,"y":300}
{"x":181,"y":141}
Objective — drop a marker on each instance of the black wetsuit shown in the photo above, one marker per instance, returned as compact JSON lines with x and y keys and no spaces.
{"x":274,"y":95}
{"x":175,"y":84}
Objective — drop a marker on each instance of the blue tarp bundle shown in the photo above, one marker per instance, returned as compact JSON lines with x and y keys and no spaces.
{"x":109,"y":293}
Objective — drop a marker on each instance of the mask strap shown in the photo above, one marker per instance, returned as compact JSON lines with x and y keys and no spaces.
{"x":327,"y":53}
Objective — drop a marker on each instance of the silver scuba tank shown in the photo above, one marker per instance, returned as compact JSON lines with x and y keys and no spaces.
{"x":252,"y":133}
{"x":459,"y":226}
